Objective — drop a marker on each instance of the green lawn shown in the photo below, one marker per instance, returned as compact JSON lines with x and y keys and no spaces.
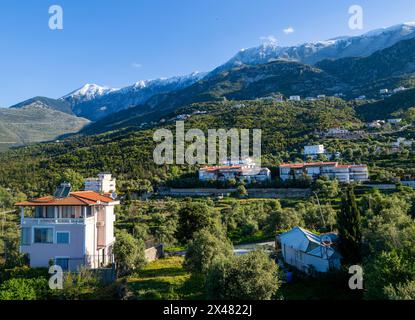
{"x":324,"y":288}
{"x":166,"y":279}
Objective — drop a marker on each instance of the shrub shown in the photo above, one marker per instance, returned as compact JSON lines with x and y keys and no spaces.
{"x":205,"y":249}
{"x":24,"y":289}
{"x":129,"y":252}
{"x":250,"y":277}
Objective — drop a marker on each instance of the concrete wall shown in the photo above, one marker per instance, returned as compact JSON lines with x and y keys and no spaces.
{"x":154,"y":253}
{"x":253,"y":193}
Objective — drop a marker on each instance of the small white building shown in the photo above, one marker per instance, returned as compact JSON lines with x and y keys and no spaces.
{"x":314,"y":150}
{"x":376,"y":124}
{"x":394,"y":121}
{"x":295,"y":98}
{"x":104,"y":183}
{"x":337,"y":132}
{"x":306,"y":251}
{"x":399,"y":89}
{"x":401,"y":142}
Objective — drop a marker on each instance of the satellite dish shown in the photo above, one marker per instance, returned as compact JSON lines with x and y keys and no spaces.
{"x":326,"y":240}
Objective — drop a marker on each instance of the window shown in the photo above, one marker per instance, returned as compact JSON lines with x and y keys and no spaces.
{"x":50,"y":212}
{"x":39,"y":212}
{"x":68,"y":212}
{"x":89,"y":212}
{"x":43,"y":235}
{"x":62,"y":237}
{"x":26,"y":237}
{"x":63,"y":263}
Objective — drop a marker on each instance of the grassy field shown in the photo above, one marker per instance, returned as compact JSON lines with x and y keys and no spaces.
{"x":323,"y":288}
{"x":166,"y":279}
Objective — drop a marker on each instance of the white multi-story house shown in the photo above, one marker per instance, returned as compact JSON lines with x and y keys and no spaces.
{"x":307,"y":251}
{"x":70,"y":229}
{"x":314,"y":150}
{"x":295,"y":98}
{"x":242,"y":170}
{"x":105,"y":183}
{"x":332,"y":170}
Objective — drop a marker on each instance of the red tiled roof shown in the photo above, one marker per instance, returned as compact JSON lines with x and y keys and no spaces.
{"x":238,"y":167}
{"x":92,"y":195}
{"x":81,"y":198}
{"x":319,"y":164}
{"x":309,"y":164}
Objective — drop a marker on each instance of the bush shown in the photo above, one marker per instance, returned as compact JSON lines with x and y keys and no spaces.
{"x":402,"y":291}
{"x":128,"y":252}
{"x":250,"y":277}
{"x":24,"y":289}
{"x":193,"y":217}
{"x":205,"y":249}
{"x":23,"y":272}
{"x":80,"y":285}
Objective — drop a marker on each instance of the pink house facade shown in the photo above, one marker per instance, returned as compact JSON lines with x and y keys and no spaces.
{"x":71,"y":231}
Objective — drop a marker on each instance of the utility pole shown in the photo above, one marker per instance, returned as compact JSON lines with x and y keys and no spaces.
{"x":321,"y":211}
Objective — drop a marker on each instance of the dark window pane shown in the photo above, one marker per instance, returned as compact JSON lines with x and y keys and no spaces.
{"x":63,"y":263}
{"x":39,"y":212}
{"x":26,"y":236}
{"x":62,"y":237}
{"x":50,"y":212}
{"x":43,"y":235}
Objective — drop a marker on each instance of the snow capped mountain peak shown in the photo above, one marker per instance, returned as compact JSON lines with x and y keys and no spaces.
{"x":180,"y":81}
{"x":140,"y":84}
{"x":87,"y":92}
{"x":94,"y":101}
{"x":313,"y":52}
{"x":406,"y":27}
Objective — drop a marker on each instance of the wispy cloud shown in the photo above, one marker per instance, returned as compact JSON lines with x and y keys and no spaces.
{"x":136,"y":65}
{"x":269,"y":39}
{"x":288,"y":30}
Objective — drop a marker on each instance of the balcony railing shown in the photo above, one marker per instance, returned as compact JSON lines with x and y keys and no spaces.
{"x":42,"y":221}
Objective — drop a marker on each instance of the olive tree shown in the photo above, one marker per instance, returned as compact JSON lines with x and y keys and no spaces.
{"x":205,"y":249}
{"x":128,"y":252}
{"x":253,"y":276}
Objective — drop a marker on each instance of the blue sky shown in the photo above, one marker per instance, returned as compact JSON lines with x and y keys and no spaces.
{"x":117,"y":43}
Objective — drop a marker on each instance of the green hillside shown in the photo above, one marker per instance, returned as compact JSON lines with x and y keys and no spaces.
{"x":35,"y":124}
{"x":129,"y":153}
{"x":45,"y":102}
{"x":395,"y":106}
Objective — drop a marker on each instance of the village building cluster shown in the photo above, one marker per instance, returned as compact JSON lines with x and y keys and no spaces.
{"x":332,"y":170}
{"x":239,"y":170}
